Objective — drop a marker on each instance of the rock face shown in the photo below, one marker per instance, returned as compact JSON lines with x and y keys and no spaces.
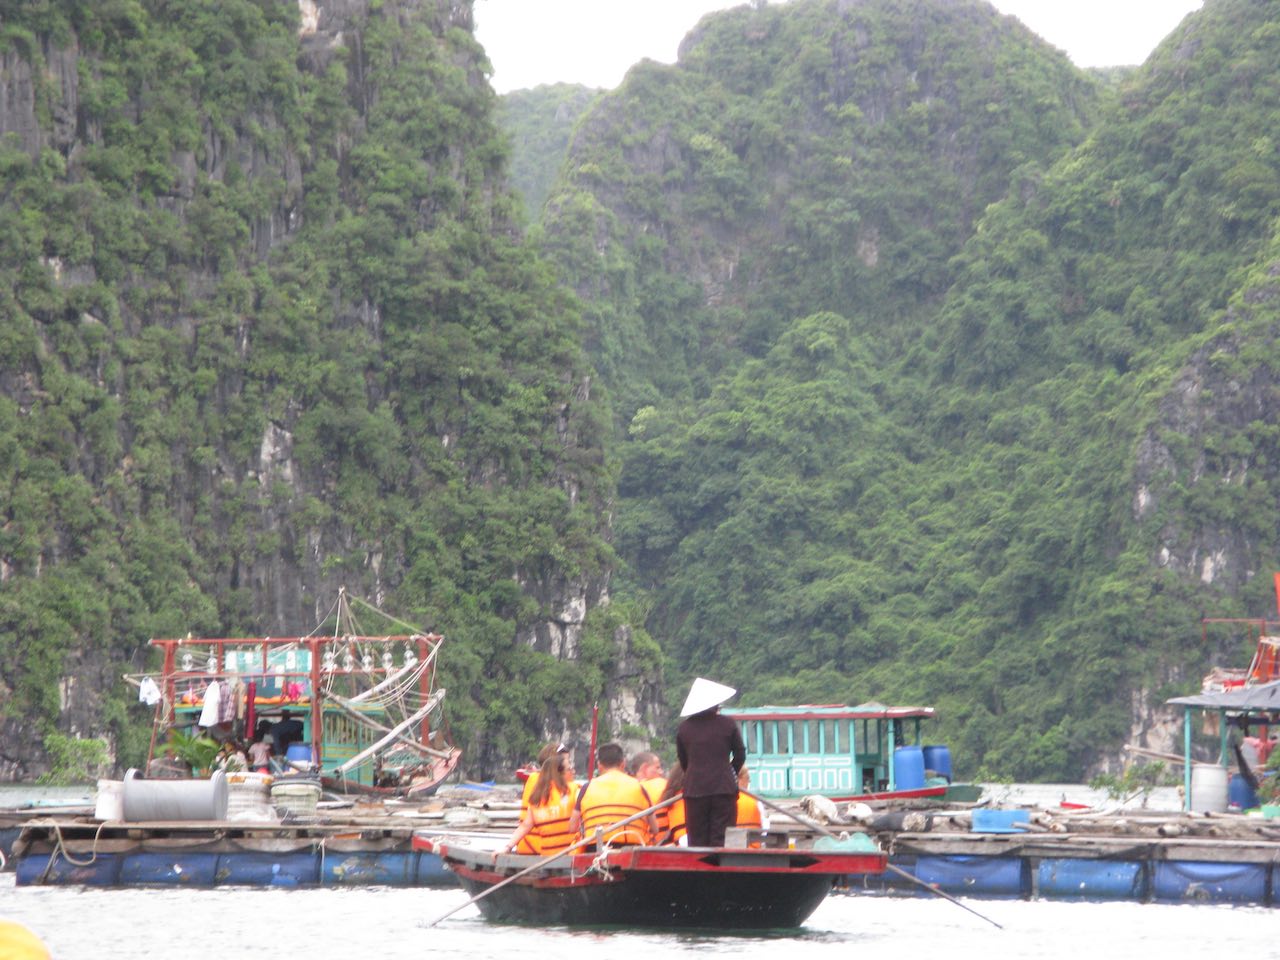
{"x":257,"y":524}
{"x":1212,"y":433}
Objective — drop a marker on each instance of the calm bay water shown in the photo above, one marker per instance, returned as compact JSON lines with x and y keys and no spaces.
{"x":392,"y":923}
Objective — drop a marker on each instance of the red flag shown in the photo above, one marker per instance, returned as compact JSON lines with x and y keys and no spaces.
{"x":1277,"y":576}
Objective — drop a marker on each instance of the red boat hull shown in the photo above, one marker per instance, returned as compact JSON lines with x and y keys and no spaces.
{"x":660,"y":886}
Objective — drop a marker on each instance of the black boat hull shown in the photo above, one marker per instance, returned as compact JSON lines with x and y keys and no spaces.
{"x":742,"y":902}
{"x":735,"y":889}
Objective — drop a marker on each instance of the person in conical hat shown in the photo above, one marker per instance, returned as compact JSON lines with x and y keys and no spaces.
{"x":705,"y":695}
{"x":711,"y":752}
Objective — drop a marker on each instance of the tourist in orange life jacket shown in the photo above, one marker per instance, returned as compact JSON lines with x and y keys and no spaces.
{"x":646,"y":766}
{"x":671,"y":825}
{"x":748,"y":808}
{"x":545,"y":826}
{"x":613,"y":795}
{"x":548,"y":752}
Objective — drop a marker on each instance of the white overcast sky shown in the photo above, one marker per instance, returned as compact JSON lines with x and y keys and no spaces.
{"x":595,"y":42}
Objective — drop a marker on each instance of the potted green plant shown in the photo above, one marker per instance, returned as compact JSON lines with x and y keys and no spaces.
{"x":197,"y":751}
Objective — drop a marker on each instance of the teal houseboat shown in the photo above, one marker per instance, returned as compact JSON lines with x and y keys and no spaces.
{"x":866,"y":752}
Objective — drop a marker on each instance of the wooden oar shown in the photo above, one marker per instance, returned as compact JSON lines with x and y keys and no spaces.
{"x":556,"y":856}
{"x":888,"y":866}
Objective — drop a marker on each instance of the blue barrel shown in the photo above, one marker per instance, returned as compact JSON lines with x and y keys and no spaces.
{"x":176,"y":867}
{"x":104,"y":871}
{"x":369,"y":868}
{"x":432,"y":872}
{"x":975,"y":876}
{"x":1198,"y":881}
{"x":1240,"y":794}
{"x":249,"y":868}
{"x":938,"y":759}
{"x":1091,"y":879}
{"x":301,"y":752}
{"x":908,"y":768}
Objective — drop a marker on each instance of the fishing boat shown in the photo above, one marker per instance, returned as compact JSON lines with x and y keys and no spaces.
{"x":359,"y":708}
{"x":860,"y":753}
{"x":718,"y":888}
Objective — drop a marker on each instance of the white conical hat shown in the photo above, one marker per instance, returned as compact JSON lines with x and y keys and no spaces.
{"x":705,"y":694}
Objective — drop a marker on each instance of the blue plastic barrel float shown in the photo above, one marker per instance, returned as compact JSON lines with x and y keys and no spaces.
{"x":383,"y":868}
{"x":908,"y":768}
{"x":102,"y":870}
{"x":1085,"y":879}
{"x":432,"y":871}
{"x":251,"y":868}
{"x":169,"y":868}
{"x":937,"y":757}
{"x":974,"y":875}
{"x":1182,"y":880}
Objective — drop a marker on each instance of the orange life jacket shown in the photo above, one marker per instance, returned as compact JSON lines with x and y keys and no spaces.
{"x":654,"y":787}
{"x":614,"y":796}
{"x":551,"y":832}
{"x":675,"y":822}
{"x":536,"y":840}
{"x":748,"y":811}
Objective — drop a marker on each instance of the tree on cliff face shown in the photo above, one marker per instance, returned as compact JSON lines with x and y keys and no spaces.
{"x":270,"y":329}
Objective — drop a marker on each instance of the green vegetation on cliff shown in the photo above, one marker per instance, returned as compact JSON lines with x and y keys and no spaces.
{"x":943,"y":373}
{"x":938,"y":370}
{"x":269,"y":329}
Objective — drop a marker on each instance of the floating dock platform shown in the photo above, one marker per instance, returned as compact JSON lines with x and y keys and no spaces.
{"x":1177,"y":858}
{"x":334,"y":853}
{"x":1133,"y":856}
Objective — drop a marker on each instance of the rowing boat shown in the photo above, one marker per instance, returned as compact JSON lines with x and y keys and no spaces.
{"x":721,"y":888}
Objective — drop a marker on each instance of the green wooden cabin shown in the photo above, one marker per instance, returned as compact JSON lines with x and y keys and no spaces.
{"x":836,"y":751}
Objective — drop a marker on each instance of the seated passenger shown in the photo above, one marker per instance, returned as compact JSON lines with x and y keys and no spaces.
{"x":551,"y":751}
{"x":614,"y":795}
{"x":671,"y":819}
{"x":545,"y":826}
{"x":748,"y":808}
{"x":529,"y":773}
{"x":646,"y":766}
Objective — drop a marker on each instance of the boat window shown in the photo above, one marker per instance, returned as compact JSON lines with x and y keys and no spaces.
{"x":830,"y":736}
{"x":785,"y":736}
{"x":813,"y":736}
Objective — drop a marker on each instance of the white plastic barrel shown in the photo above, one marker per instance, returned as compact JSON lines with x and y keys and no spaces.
{"x":299,"y":798}
{"x":1209,"y":788}
{"x":110,"y":800}
{"x":146,"y":800}
{"x":249,"y":796}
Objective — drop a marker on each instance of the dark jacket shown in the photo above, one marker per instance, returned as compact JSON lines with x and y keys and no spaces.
{"x":711,"y":750}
